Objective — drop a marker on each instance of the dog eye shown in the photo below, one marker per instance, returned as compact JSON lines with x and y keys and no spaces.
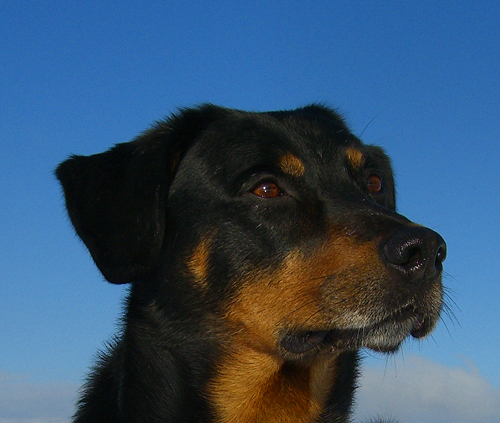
{"x":267,"y":190}
{"x":374,"y":183}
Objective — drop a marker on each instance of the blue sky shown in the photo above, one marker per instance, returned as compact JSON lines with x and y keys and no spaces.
{"x":419,"y":78}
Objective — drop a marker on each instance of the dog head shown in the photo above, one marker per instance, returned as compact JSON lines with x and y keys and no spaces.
{"x":281,"y":224}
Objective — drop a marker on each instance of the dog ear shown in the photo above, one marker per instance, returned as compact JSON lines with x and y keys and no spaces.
{"x":116,"y":200}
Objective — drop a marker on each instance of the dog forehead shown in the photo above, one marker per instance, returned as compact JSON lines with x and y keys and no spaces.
{"x":291,"y":143}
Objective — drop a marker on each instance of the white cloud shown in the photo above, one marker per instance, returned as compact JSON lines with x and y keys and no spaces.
{"x":422,"y":391}
{"x":24,"y":401}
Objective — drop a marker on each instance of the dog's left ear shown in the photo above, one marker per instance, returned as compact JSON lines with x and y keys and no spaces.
{"x":116,"y":200}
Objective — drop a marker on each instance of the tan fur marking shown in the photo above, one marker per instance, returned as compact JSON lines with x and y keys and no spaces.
{"x":356,"y":158}
{"x":198,"y":262}
{"x":270,"y":298}
{"x":321,"y":380}
{"x":253,"y":386}
{"x":292,"y":165}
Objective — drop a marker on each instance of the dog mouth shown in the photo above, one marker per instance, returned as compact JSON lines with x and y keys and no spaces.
{"x":383,"y":336}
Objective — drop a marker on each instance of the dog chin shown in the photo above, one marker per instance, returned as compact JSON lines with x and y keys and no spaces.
{"x":386,"y":336}
{"x":387,"y":339}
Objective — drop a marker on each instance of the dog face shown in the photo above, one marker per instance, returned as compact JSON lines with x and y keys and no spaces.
{"x":291,"y":220}
{"x":276,"y":233}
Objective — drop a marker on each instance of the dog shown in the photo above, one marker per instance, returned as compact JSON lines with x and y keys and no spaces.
{"x":263,"y":251}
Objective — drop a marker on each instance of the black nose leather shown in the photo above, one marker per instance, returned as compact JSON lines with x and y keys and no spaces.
{"x":416,"y":252}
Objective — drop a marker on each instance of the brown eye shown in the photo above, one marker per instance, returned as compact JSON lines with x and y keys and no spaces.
{"x":374,"y":183}
{"x":267,"y":190}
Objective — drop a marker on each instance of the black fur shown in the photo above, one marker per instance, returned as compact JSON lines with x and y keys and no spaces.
{"x":183,"y":214}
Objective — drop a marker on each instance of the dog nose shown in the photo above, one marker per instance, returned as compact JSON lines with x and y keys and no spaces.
{"x":416,"y":252}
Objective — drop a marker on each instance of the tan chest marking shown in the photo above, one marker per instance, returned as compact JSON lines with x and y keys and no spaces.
{"x":253,"y":386}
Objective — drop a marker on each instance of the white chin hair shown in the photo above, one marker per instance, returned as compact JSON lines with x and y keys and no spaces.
{"x":388,"y":337}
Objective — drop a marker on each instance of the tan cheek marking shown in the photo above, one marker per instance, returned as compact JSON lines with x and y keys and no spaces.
{"x":342,"y":279}
{"x":268,"y":299}
{"x":292,"y":165}
{"x":357,"y":283}
{"x":198,"y":263}
{"x":356,"y":158}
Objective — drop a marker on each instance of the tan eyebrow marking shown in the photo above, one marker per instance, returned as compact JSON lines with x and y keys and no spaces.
{"x":355,"y":157}
{"x":292,"y":165}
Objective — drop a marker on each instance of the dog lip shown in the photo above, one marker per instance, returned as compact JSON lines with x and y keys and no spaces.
{"x":422,"y":322}
{"x":302,"y":342}
{"x":422,"y":327}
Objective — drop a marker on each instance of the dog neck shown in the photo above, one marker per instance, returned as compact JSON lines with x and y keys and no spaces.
{"x":253,"y":386}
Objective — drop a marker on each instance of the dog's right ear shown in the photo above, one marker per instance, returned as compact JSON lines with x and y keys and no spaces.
{"x":116,"y":200}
